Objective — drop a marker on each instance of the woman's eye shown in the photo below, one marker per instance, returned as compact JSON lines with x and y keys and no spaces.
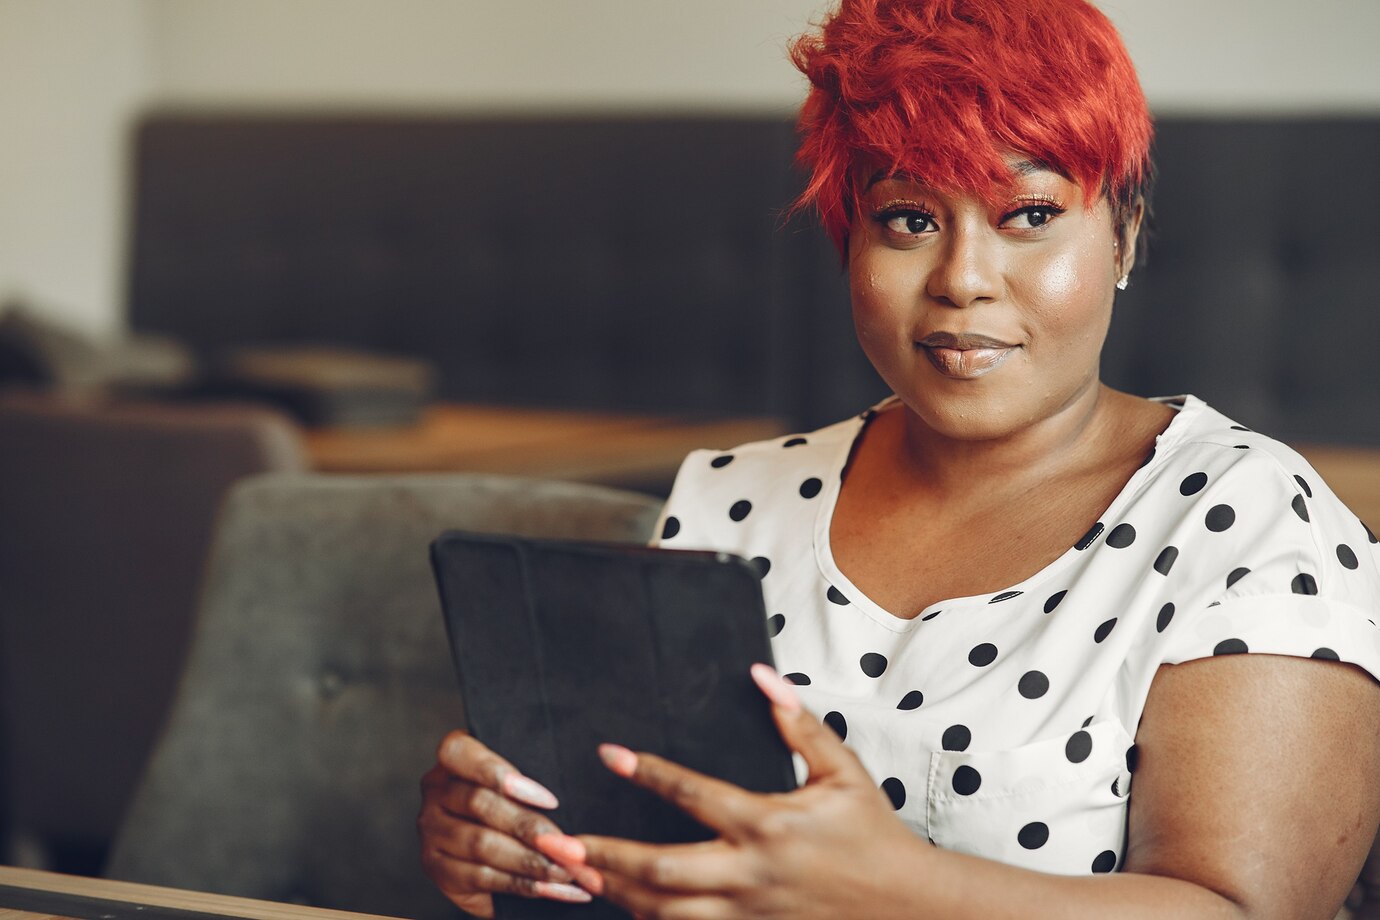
{"x":910,"y":223}
{"x":1032,"y":217}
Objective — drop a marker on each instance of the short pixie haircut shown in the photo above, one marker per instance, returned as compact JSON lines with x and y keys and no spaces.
{"x":943,"y":90}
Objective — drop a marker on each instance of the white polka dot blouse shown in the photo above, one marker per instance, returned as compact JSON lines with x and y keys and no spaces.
{"x":1001,"y":725}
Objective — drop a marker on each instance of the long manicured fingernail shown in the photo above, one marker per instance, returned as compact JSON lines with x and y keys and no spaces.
{"x":774,"y":688}
{"x":528,"y":791}
{"x":567,"y":893}
{"x":618,"y":759}
{"x":562,"y":848}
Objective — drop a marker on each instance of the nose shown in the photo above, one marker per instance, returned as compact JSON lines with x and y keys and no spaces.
{"x":967,"y":270}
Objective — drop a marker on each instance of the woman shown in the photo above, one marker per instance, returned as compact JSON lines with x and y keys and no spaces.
{"x":992,"y":583}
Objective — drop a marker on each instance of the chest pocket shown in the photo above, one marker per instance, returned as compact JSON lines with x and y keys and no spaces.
{"x":1057,"y":805}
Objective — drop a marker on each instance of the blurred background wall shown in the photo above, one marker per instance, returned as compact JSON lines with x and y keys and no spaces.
{"x":74,"y":73}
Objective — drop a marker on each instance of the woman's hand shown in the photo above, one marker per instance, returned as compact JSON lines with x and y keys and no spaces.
{"x":826,"y":850}
{"x":478,"y":834}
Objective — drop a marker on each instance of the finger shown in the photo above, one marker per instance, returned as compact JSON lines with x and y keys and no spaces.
{"x":716,"y":804}
{"x":708,"y":867}
{"x":464,"y":756}
{"x":470,"y":842}
{"x":824,"y":753}
{"x":644,"y":901}
{"x":466,"y":800}
{"x":458,"y":878}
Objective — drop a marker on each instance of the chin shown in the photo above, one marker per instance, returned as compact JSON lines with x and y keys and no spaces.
{"x":976,"y":416}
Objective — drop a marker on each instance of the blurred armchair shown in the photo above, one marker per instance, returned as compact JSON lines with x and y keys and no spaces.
{"x":320,"y":682}
{"x":107,"y":513}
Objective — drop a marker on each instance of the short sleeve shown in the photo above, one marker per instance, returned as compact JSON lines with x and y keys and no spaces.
{"x":1284,"y":568}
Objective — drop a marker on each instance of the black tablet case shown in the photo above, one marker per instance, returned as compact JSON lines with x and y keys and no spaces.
{"x":561,"y":646}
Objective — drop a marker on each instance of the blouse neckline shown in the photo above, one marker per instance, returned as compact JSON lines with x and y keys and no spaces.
{"x":1188,"y":408}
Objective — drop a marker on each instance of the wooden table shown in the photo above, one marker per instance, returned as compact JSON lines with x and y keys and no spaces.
{"x":642,"y":451}
{"x":626,"y":449}
{"x":28,"y":894}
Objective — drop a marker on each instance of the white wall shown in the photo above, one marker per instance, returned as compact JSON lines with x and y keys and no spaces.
{"x":73,"y":71}
{"x":1267,"y":56}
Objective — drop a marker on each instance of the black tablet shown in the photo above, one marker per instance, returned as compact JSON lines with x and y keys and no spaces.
{"x":561,"y":646}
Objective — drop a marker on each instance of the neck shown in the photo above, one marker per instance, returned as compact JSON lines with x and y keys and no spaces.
{"x":1065,"y":441}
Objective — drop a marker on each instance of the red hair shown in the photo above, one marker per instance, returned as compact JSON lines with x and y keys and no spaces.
{"x":943,"y":90}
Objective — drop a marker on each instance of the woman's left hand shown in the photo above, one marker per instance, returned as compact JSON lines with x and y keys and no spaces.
{"x":830,"y":849}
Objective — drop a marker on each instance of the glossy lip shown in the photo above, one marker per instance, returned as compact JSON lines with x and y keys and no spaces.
{"x":965,"y":356}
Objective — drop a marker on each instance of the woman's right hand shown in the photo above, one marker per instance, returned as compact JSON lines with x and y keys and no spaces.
{"x":478,"y":830}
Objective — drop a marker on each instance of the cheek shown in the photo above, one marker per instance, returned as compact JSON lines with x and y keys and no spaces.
{"x":1072,"y":292}
{"x":880,"y":294}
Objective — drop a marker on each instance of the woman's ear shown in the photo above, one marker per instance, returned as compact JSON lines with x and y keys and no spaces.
{"x":1127,"y":235}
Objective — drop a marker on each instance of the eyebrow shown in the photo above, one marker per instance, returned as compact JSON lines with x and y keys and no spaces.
{"x":1019,"y":168}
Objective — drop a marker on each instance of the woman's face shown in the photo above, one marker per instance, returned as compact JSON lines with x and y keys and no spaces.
{"x":984,"y":320}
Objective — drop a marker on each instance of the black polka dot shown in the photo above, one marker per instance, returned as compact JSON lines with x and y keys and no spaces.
{"x":800,"y":680}
{"x":1166,"y":559}
{"x":1122,"y":536}
{"x":982,"y":655}
{"x":1004,"y":596}
{"x":1105,"y":862}
{"x":1220,"y":517}
{"x":1078,"y":747}
{"x":1193,"y":484}
{"x":1370,"y":534}
{"x":1304,"y":583}
{"x":1087,"y":539}
{"x":670,"y":528}
{"x":836,"y":596}
{"x":1132,"y":758}
{"x":1326,"y":654}
{"x":740,"y":509}
{"x":1033,"y":685}
{"x":1239,"y":428}
{"x":911,"y":700}
{"x":1166,"y":614}
{"x":1236,"y":575}
{"x":1346,"y":556}
{"x":762,"y":564}
{"x":1148,"y":457}
{"x":895,"y":790}
{"x":1242,"y":446}
{"x":1054,"y":600}
{"x":1104,"y":629}
{"x":836,"y":721}
{"x":1303,"y":484}
{"x":1300,"y":507}
{"x":794,"y":442}
{"x":872,"y":664}
{"x":775,"y":624}
{"x":930,"y":616}
{"x":956,"y":738}
{"x":1034,"y":835}
{"x":1230,"y":647}
{"x":1116,"y":788}
{"x":966,"y":780}
{"x":810,"y":487}
{"x":1088,"y":721}
{"x":721,"y":461}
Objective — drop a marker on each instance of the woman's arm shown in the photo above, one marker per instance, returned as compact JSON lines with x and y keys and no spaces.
{"x":1254,"y":797}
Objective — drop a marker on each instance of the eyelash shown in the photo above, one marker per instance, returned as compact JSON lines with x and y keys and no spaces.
{"x":886,"y":213}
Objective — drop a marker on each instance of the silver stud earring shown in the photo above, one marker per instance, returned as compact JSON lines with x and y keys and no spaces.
{"x":1124,"y":283}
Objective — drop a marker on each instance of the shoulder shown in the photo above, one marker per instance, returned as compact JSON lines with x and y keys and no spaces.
{"x":719,"y":495}
{"x":1265,"y":556}
{"x":1246,"y":482}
